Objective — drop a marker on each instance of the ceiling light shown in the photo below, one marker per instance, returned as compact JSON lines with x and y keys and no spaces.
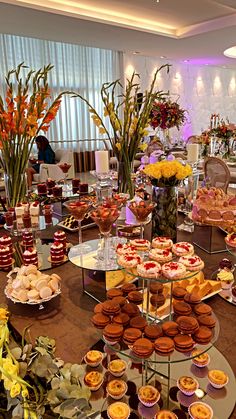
{"x":163,"y":56}
{"x":136,"y":52}
{"x":230,"y":52}
{"x":186,"y":61}
{"x":206,"y":64}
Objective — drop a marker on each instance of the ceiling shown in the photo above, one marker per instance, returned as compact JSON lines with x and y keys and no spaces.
{"x":194,"y":31}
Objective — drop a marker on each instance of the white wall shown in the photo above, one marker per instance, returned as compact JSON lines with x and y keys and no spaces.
{"x":202,"y":90}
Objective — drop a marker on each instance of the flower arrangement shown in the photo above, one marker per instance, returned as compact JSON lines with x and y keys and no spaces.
{"x":128,"y":115}
{"x":24,"y":112}
{"x":167,"y":173}
{"x":222,"y":131}
{"x":166,"y":114}
{"x":34,"y":383}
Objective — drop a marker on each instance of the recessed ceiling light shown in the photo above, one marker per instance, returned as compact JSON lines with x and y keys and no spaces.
{"x":163,"y":56}
{"x":206,"y":64}
{"x":136,"y":52}
{"x":230,"y":52}
{"x":186,"y":61}
{"x":223,"y":66}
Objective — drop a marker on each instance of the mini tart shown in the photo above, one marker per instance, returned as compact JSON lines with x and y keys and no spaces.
{"x":230,"y":239}
{"x":165,"y":414}
{"x":148,"y":395}
{"x":93,"y":358}
{"x":218,"y":378}
{"x":118,"y":410}
{"x":149,"y":269}
{"x":183,"y":249}
{"x":140,"y":244}
{"x":117,"y":367}
{"x":200,"y":359}
{"x":174,"y":270}
{"x":93,"y":380}
{"x":160,"y":255}
{"x":188,"y":385}
{"x":200,"y":410}
{"x":129,"y":261}
{"x":116,"y":389}
{"x":192,"y":263}
{"x":122,"y":249}
{"x":162,"y":243}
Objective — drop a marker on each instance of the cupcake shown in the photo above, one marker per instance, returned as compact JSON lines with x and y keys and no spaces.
{"x":93,"y":358}
{"x":116,"y":389}
{"x":118,"y":410}
{"x":200,"y":359}
{"x":218,"y":378}
{"x":226,"y":278}
{"x":93,"y":380}
{"x":200,"y":410}
{"x":117,"y":367}
{"x":188,"y":385}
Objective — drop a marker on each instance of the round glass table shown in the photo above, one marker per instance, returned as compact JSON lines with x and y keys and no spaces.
{"x":40,"y":226}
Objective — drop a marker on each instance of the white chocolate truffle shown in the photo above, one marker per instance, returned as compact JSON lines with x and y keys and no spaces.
{"x":45,"y":292}
{"x":22,"y":295}
{"x":16,"y":283}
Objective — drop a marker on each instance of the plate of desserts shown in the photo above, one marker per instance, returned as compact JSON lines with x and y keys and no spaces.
{"x":28,"y":285}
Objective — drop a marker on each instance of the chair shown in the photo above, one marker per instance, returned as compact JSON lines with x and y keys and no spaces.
{"x":53,"y":171}
{"x":217,"y":171}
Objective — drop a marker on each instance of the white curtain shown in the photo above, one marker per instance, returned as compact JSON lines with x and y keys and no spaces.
{"x":78,"y":68}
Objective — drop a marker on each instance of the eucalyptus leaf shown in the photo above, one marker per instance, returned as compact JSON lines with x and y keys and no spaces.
{"x":16,"y":352}
{"x":55,"y":383}
{"x":77,"y":370}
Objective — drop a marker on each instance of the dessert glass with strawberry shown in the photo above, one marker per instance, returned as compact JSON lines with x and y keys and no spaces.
{"x":79,"y":208}
{"x":141,"y":210}
{"x":65,"y":167}
{"x":104,"y":216}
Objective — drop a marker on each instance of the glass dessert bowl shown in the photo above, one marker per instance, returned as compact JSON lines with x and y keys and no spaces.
{"x":141,"y":210}
{"x":65,"y":167}
{"x":79,"y":209}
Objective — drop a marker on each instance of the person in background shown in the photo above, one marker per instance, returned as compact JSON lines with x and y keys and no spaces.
{"x":45,"y":155}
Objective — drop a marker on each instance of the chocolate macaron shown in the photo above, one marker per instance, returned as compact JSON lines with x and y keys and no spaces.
{"x":178,"y":293}
{"x":157,"y":300}
{"x":126,"y":288}
{"x":114,"y":292}
{"x":202,"y":308}
{"x":110,"y":308}
{"x":170,"y":328}
{"x":131,"y":335}
{"x":207,"y":320}
{"x":164,"y":345}
{"x":113,"y":332}
{"x":187,"y":324}
{"x":135,"y":297}
{"x":131,"y":309}
{"x":184,"y":343}
{"x":143,"y":348}
{"x":138,"y":322}
{"x":121,"y":319}
{"x":181,"y":308}
{"x":153,"y":331}
{"x":192,"y":298}
{"x":99,"y":320}
{"x":156,"y":287}
{"x":203,"y":335}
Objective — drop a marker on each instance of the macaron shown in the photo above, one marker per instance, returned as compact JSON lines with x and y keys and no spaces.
{"x":113,"y":332}
{"x":138,"y":322}
{"x":45,"y":292}
{"x":126,"y":288}
{"x":164,"y":345}
{"x":131,"y":335}
{"x":187,"y":324}
{"x":203,"y":335}
{"x":40,"y":284}
{"x":207,"y":320}
{"x":157,"y":300}
{"x":114,"y":292}
{"x":100,"y":320}
{"x":202,"y":308}
{"x":122,"y":319}
{"x":98,"y":308}
{"x":131,"y":309}
{"x":109,"y":308}
{"x":192,"y":298}
{"x":170,"y":328}
{"x":53,"y":284}
{"x":143,"y":348}
{"x":33,"y":295}
{"x":121,"y":300}
{"x":153,"y":331}
{"x":22,"y":295}
{"x":135,"y":297}
{"x":156,"y":287}
{"x":181,"y":308}
{"x":183,"y":343}
{"x":178,"y":293}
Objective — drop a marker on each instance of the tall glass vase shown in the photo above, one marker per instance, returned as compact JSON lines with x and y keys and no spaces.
{"x":15,"y":187}
{"x":125,"y":183}
{"x":164,"y":216}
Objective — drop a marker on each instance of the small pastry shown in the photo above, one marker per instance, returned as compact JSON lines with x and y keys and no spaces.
{"x":162,"y":243}
{"x":129,"y":261}
{"x":93,"y":380}
{"x":200,"y":410}
{"x":22,"y":295}
{"x":40,"y":283}
{"x":174,"y":270}
{"x":149,"y":269}
{"x":45,"y":292}
{"x":118,"y":410}
{"x":33,"y":295}
{"x":123,"y":249}
{"x":117,"y":367}
{"x":183,"y":248}
{"x":140,"y":244}
{"x":93,"y":358}
{"x":192,"y":263}
{"x":53,"y":284}
{"x":226,"y":278}
{"x":200,"y":359}
{"x":230,"y":239}
{"x":160,"y":255}
{"x":148,"y":395}
{"x":188,"y":385}
{"x":218,"y":378}
{"x":165,"y":414}
{"x":117,"y":389}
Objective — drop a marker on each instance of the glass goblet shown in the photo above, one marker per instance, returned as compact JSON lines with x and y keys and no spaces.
{"x":65,"y":167}
{"x":79,"y":208}
{"x":141,"y":210}
{"x":104,"y":216}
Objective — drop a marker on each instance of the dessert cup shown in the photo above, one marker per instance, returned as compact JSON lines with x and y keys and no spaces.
{"x":141,"y":210}
{"x":65,"y":167}
{"x":79,"y":208}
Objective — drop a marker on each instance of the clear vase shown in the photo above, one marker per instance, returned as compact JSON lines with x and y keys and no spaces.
{"x":15,"y":187}
{"x":125,"y":183}
{"x":164,"y":216}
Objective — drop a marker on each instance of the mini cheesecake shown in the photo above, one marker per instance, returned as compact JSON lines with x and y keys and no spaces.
{"x":192,"y":263}
{"x":162,"y":243}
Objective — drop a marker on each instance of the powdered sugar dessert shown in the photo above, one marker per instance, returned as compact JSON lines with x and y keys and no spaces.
{"x":174,"y":270}
{"x":213,"y":206}
{"x":183,"y":248}
{"x":140,"y":244}
{"x":34,"y":213}
{"x":30,"y":257}
{"x":192,"y":263}
{"x":60,"y":236}
{"x":5,"y":256}
{"x":149,"y":269}
{"x":124,"y":248}
{"x":129,"y":261}
{"x":19,"y":211}
{"x":57,"y":252}
{"x":162,"y":243}
{"x":160,"y":255}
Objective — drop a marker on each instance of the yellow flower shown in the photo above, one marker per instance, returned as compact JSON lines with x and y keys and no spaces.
{"x":102,"y":130}
{"x":15,"y":390}
{"x":143,"y":146}
{"x":118,"y":146}
{"x":168,"y":169}
{"x":25,"y":392}
{"x":4,"y":314}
